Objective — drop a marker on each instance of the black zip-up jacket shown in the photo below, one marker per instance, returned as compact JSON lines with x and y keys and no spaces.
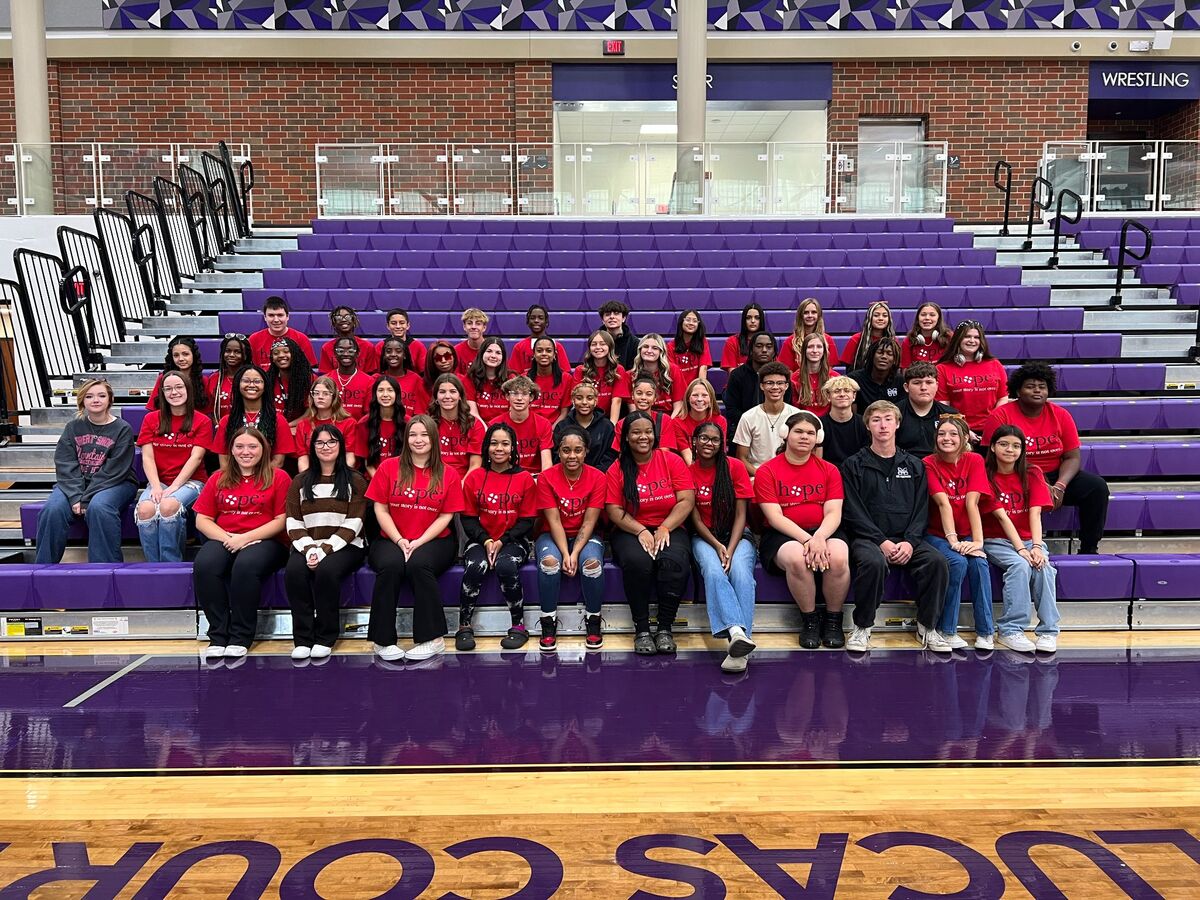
{"x":886,"y":499}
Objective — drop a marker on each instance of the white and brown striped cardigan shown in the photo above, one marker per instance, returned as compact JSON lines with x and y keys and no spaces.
{"x":323,"y":522}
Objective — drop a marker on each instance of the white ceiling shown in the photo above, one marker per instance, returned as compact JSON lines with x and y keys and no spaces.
{"x":625,"y":127}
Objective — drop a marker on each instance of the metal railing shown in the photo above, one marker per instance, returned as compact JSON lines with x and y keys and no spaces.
{"x":642,"y":179}
{"x":73,"y":178}
{"x":1060,"y":219}
{"x":29,"y":369}
{"x":1005,"y":188}
{"x":1126,"y":176}
{"x":1115,"y":300}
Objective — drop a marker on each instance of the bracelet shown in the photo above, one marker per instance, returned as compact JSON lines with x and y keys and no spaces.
{"x":643,"y":531}
{"x":1060,"y":485}
{"x":1021,"y":550}
{"x":950,"y":535}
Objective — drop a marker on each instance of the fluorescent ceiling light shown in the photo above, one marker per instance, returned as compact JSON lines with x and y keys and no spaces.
{"x":658,"y":129}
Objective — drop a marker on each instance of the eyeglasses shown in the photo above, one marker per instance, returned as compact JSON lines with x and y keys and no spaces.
{"x":342,"y":317}
{"x":234,"y":336}
{"x":442,"y":357}
{"x":326,"y":445}
{"x":775,"y":384}
{"x":707,"y":439}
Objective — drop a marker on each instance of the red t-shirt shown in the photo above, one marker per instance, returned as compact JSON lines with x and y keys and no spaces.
{"x":814,"y":383}
{"x":284,"y":442}
{"x":731,"y":356}
{"x":466,"y":355}
{"x":520,"y":361}
{"x":974,"y":388}
{"x":666,"y":399}
{"x":658,"y":481}
{"x":279,"y":396}
{"x":152,"y":401}
{"x":955,"y":481}
{"x":490,"y":399}
{"x":387,"y":439}
{"x":571,"y":500}
{"x":416,"y":507}
{"x":355,"y":392}
{"x":262,"y":340}
{"x":499,"y":499}
{"x":1009,"y":496}
{"x":348,"y":427}
{"x":687,"y":362}
{"x":368,"y":356}
{"x":911,"y":352}
{"x":1047,"y":437}
{"x":414,"y":396}
{"x":416,"y":355}
{"x":534,"y":435}
{"x":788,"y":356}
{"x":456,"y":446}
{"x":686,"y":426}
{"x":172,"y":450}
{"x":245,"y":506}
{"x":670,"y":437}
{"x":220,"y":394}
{"x":801,"y":491}
{"x":703,"y":477}
{"x":604,"y":391}
{"x":553,"y":397}
{"x":851,"y":350}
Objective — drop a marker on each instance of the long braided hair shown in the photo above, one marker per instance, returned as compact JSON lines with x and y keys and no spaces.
{"x":299,"y":380}
{"x":724,"y":499}
{"x":629,"y":466}
{"x":237,"y":409}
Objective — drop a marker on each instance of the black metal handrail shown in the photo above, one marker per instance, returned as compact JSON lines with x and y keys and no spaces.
{"x":56,"y":313}
{"x":85,"y":251}
{"x":1115,"y":300}
{"x":1035,"y":203}
{"x":1005,"y":189}
{"x":202,"y":211}
{"x":75,"y":298}
{"x":224,"y":197}
{"x":1059,"y":219}
{"x":147,"y":214}
{"x":128,"y":266}
{"x":179,"y":230}
{"x":32,"y":378}
{"x":240,"y":190}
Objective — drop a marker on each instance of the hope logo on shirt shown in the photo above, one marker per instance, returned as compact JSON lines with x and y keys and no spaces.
{"x":1013,"y":501}
{"x":802,"y":492}
{"x":571,"y":505}
{"x":650,"y":488}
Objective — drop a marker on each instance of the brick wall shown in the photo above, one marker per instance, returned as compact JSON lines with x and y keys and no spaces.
{"x":985,"y":109}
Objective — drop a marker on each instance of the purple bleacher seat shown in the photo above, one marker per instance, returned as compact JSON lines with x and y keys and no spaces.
{"x":1172,"y":512}
{"x":16,"y":587}
{"x":1093,"y":578}
{"x":153,"y":586}
{"x":134,"y":415}
{"x":1188,"y":294}
{"x":876,"y":277}
{"x":1164,"y":577}
{"x":927,"y":276}
{"x":75,"y":586}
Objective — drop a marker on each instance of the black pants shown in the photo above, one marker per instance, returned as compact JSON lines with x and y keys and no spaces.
{"x":315,"y":595}
{"x":869,"y":569}
{"x":509,"y":560}
{"x":421,"y":572}
{"x":643,"y":577}
{"x":229,"y":588}
{"x":1089,"y":494}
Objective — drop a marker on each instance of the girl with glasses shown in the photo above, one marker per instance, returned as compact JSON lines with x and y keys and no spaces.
{"x":249,"y":408}
{"x":183,"y":356}
{"x":689,"y":348}
{"x":325,"y":408}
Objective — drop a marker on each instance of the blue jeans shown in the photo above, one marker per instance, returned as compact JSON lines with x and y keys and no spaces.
{"x":163,"y":537}
{"x":103,"y":517}
{"x":975,"y":570}
{"x":550,"y":576}
{"x":1024,"y":588}
{"x":729,"y":595}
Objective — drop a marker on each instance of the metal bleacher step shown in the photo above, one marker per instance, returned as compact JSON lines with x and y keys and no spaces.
{"x":150,"y":350}
{"x":1144,"y":320}
{"x":1183,"y":377}
{"x":12,"y":499}
{"x":1099,"y":296}
{"x":127,"y":382}
{"x":202,"y":302}
{"x":169,"y":326}
{"x":1074,"y":259}
{"x":1156,"y":346}
{"x":1015,"y":243}
{"x":1096,"y":275}
{"x":246,"y":262}
{"x":226,"y":281}
{"x":266,"y":244}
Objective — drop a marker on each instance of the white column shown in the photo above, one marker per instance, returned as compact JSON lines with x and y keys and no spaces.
{"x":691,"y":30}
{"x":31,"y":92}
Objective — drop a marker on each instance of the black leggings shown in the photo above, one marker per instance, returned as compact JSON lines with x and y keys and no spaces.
{"x":509,"y":560}
{"x":421,"y":571}
{"x":663,"y":577}
{"x":315,"y":595}
{"x":229,"y":588}
{"x":1089,"y":494}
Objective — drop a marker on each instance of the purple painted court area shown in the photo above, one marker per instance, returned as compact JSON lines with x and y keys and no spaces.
{"x":491,"y":709}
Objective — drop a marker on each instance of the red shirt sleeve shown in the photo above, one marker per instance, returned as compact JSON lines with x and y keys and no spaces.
{"x":614,"y":484}
{"x":149,"y":427}
{"x":933,"y":477}
{"x":454,"y":493}
{"x":833,"y":483}
{"x":470,"y":492}
{"x":206,"y":503}
{"x":977,"y":476}
{"x":742,"y":488}
{"x":284,"y":442}
{"x":529,"y":496}
{"x":1039,"y":491}
{"x":545,"y":433}
{"x":764,"y":484}
{"x":851,"y":349}
{"x":1066,"y":427}
{"x":280,"y":484}
{"x":681,"y":478}
{"x":379,"y":488}
{"x":730,"y":357}
{"x":678,"y":387}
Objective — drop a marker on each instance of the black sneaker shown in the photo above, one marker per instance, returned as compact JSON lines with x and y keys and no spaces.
{"x":664,"y":641}
{"x":810,"y":631}
{"x":643,"y":644}
{"x":549,"y":639}
{"x":595,"y":639}
{"x":464,"y":639}
{"x":832,"y":635}
{"x":515,"y":639}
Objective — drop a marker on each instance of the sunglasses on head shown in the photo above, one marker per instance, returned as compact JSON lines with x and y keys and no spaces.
{"x":234,"y":336}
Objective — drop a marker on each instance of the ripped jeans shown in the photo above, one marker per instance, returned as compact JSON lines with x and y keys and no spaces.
{"x":508,"y":570}
{"x":591,"y":572}
{"x":164,"y":537}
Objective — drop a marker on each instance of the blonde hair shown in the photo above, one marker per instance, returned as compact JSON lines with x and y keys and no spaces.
{"x":337,"y":412}
{"x":83,"y":389}
{"x":712,"y":398}
{"x":964,"y":433}
{"x":804,"y":391}
{"x":882,"y":406}
{"x":663,"y":377}
{"x":474,"y":313}
{"x":839,"y":383}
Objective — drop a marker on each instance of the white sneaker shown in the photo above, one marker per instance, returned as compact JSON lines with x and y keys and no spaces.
{"x":936,"y":642}
{"x":955,"y":642}
{"x":301,"y":653}
{"x":984,"y":642}
{"x":320,"y":651}
{"x":390,"y":653}
{"x":1046,"y":643}
{"x":739,"y":644}
{"x":1016,"y":641}
{"x":234,"y":651}
{"x":214,"y":652}
{"x":734,"y":664}
{"x":427,"y":650}
{"x":859,"y":640}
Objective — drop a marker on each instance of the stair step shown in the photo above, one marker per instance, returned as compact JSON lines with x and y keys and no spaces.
{"x":13,"y":499}
{"x":169,"y":326}
{"x":1183,"y":378}
{"x":266,"y":244}
{"x":1143,"y":320}
{"x":1074,"y":259}
{"x":1103,"y":275}
{"x":226,"y":281}
{"x":126,"y":383}
{"x":1016,"y":242}
{"x":246,"y":262}
{"x":1156,"y":346}
{"x":1100,"y":296}
{"x":148,"y":350}
{"x":198,"y":302}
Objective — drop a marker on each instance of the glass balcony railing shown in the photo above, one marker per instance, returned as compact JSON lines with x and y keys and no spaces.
{"x":645,"y":179}
{"x":1126,"y":176}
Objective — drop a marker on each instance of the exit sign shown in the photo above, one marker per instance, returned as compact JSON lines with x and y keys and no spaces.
{"x":614,"y":47}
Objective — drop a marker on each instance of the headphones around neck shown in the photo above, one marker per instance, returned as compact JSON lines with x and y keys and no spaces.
{"x":920,"y":338}
{"x":960,"y":360}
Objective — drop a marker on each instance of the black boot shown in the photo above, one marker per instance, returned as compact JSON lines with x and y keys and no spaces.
{"x":549,"y":639}
{"x":832,"y":635}
{"x":810,"y":631}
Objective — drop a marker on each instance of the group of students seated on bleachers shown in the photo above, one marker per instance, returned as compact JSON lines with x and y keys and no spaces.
{"x":403,"y":466}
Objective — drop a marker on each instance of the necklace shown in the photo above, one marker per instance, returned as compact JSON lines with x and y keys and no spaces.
{"x":572,"y":484}
{"x":337,"y":378}
{"x":775,"y":424}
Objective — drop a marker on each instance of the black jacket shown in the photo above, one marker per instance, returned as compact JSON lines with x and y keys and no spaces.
{"x":627,"y":347}
{"x":600,"y":434}
{"x":886,"y":499}
{"x":918,"y":434}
